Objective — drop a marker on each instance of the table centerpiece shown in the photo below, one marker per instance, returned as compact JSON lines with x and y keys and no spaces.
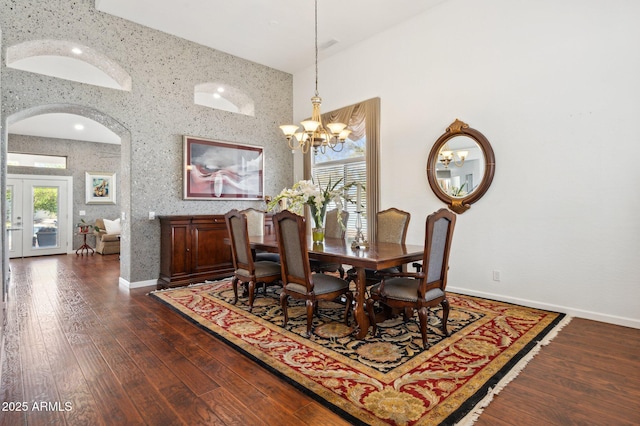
{"x":308,"y":193}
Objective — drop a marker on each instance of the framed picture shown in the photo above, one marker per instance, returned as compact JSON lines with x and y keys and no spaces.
{"x":216,"y":170}
{"x":100,"y":188}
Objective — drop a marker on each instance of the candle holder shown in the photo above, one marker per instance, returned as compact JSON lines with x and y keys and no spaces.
{"x":359,"y":242}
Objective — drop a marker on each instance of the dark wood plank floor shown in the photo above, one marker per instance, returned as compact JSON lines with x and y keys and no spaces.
{"x":79,"y":350}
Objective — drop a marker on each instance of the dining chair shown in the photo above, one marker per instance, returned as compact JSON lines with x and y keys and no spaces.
{"x":333,"y":229}
{"x":392,"y":225}
{"x":298,"y":280}
{"x":425,"y":289}
{"x":246,"y":270}
{"x":255,"y":226}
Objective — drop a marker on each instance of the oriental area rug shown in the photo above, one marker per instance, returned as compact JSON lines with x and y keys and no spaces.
{"x":383,"y":379}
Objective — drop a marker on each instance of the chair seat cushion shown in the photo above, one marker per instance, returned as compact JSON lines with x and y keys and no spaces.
{"x":406,"y":289}
{"x":263,"y":269}
{"x":322,"y":284}
{"x":266,"y":256}
{"x":110,"y":237}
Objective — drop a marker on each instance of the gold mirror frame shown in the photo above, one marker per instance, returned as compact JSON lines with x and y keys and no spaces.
{"x":461,"y":204}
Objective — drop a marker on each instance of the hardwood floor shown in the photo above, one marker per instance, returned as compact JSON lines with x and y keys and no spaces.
{"x":79,"y":350}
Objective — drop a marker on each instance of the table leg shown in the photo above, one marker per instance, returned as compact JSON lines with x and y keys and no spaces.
{"x":359,"y":311}
{"x":84,"y":247}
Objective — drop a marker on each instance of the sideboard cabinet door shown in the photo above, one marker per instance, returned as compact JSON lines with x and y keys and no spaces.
{"x":193,"y":249}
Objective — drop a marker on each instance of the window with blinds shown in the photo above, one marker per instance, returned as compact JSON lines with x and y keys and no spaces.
{"x":350,"y":166}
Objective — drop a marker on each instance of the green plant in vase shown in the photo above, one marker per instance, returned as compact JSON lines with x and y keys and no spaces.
{"x":83,"y":226}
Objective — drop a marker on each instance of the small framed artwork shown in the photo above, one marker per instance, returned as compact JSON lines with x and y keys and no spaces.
{"x":100,"y":188}
{"x":215,"y":170}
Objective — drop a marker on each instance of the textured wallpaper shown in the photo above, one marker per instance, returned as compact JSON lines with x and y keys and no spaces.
{"x":153,"y":116}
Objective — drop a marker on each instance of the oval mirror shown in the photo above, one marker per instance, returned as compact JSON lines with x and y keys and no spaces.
{"x":460,"y":166}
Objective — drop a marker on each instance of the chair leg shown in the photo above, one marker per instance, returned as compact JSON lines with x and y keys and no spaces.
{"x":372,"y":316}
{"x":341,"y":271}
{"x":310,"y":310}
{"x":445,"y":316}
{"x":407,"y":314}
{"x":283,"y":304}
{"x":423,"y":314}
{"x":348,"y":307}
{"x":234,"y":283}
{"x":252,"y":294}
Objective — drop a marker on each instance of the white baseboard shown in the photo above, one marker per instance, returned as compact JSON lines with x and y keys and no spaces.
{"x":137,"y":284}
{"x":578,"y":313}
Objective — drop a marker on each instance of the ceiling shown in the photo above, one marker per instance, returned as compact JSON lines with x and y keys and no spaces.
{"x":275,"y":33}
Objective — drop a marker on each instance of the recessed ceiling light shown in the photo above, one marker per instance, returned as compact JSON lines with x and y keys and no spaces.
{"x":217,"y":95}
{"x":220,"y":89}
{"x":77,"y":50}
{"x":78,"y":127}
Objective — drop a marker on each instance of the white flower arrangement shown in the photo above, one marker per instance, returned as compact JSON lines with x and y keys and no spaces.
{"x":306,"y":192}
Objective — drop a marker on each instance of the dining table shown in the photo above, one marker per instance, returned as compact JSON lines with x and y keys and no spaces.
{"x":376,"y":256}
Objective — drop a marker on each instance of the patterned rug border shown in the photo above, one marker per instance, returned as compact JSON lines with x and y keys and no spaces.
{"x":345,"y":415}
{"x":466,"y":414}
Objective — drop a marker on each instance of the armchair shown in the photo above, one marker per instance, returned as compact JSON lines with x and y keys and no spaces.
{"x":425,"y":289}
{"x":107,"y":242}
{"x":392,"y":225}
{"x":298,"y":281}
{"x":247,"y":271}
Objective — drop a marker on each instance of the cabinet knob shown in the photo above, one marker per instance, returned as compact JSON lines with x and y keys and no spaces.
{"x":188,"y":249}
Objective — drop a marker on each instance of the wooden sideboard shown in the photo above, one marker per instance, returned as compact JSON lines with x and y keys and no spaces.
{"x":192,"y":250}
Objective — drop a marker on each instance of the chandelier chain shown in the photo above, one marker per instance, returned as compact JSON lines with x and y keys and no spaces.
{"x":316,"y":35}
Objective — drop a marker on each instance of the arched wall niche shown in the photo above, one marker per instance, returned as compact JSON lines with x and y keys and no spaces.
{"x":68,"y":60}
{"x":222,"y":96}
{"x":84,"y":111}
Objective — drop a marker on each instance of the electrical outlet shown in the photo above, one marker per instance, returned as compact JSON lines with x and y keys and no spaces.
{"x":496,"y":275}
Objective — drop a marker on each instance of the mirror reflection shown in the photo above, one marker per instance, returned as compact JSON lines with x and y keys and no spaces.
{"x":460,"y":166}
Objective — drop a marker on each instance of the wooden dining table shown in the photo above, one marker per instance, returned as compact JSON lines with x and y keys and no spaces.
{"x":377,"y":256}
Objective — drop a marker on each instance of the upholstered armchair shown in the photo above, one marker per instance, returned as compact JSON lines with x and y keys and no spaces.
{"x":107,"y":239}
{"x":421,"y":290}
{"x":247,"y":271}
{"x":392,"y":225}
{"x":298,"y":281}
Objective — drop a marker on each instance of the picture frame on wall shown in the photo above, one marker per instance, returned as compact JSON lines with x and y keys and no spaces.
{"x":218,"y":170}
{"x":100,"y":188}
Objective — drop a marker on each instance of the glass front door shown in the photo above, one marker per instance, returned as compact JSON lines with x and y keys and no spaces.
{"x":37,"y":215}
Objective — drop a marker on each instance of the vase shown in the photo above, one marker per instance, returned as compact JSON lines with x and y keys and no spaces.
{"x":317,"y":235}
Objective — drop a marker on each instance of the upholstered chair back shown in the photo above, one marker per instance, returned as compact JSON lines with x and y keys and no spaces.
{"x":292,"y":243}
{"x":255,"y":221}
{"x":333,"y":228}
{"x":392,"y":225}
{"x":437,"y":246}
{"x":238,"y":235}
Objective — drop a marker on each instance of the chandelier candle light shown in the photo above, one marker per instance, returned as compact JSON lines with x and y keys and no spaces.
{"x":315,"y":134}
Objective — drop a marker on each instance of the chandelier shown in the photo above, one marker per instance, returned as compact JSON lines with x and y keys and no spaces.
{"x":314,"y":133}
{"x":448,"y":156}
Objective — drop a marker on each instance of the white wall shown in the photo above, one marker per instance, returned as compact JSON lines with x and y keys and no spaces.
{"x":555,"y":87}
